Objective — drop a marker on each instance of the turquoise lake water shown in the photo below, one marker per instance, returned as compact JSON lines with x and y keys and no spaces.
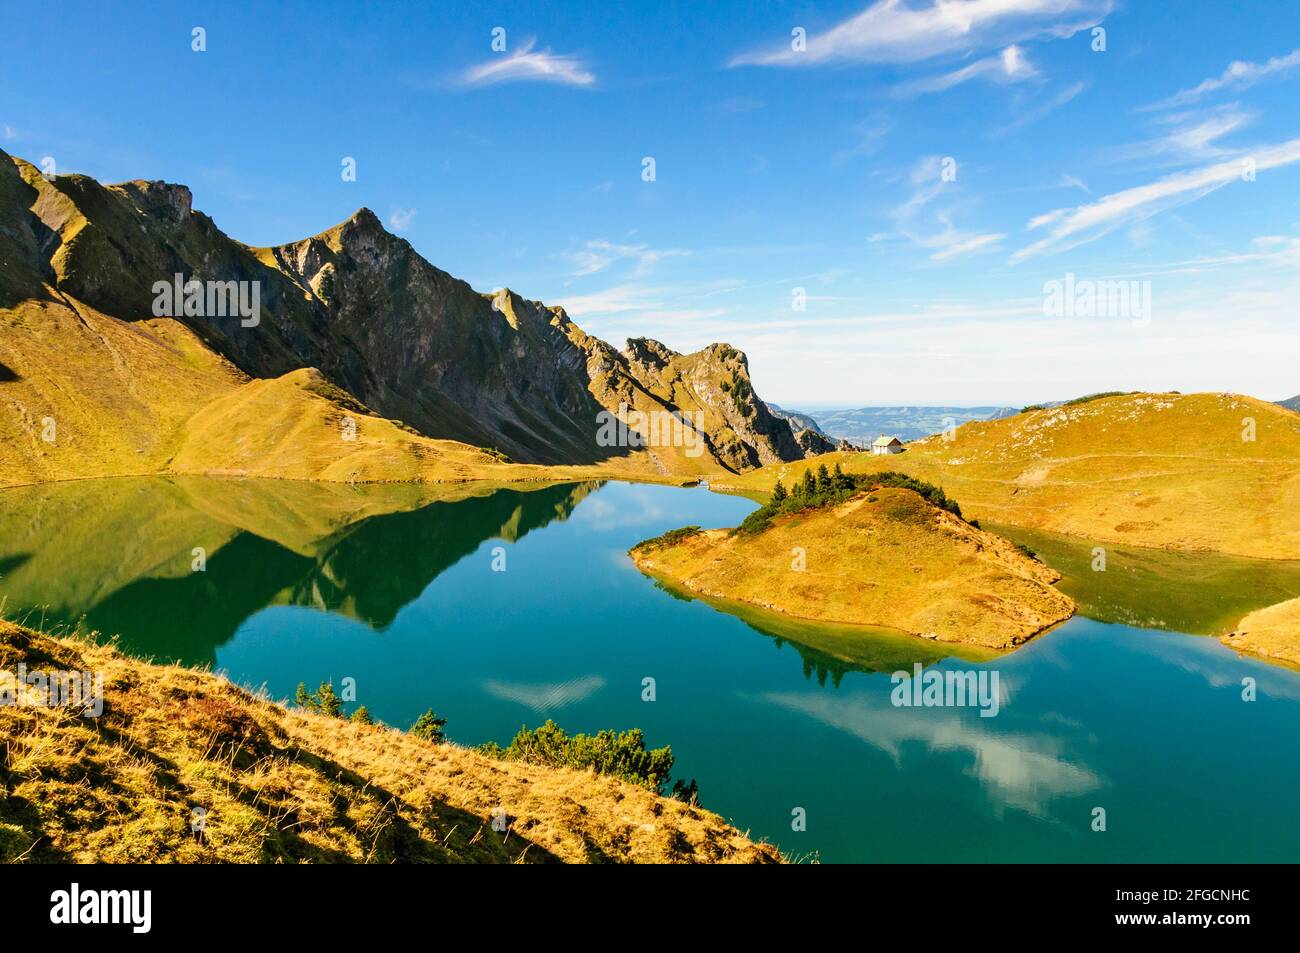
{"x":301,"y":586}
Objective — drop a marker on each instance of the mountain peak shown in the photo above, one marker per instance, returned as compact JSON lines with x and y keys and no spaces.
{"x":365,"y":218}
{"x":648,"y":351}
{"x":166,"y":200}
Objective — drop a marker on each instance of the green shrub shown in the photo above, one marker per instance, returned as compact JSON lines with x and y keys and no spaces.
{"x":670,"y":538}
{"x":618,"y":754}
{"x":1026,"y":551}
{"x":322,"y":701}
{"x":828,"y":489}
{"x":1088,"y":398}
{"x":429,"y":727}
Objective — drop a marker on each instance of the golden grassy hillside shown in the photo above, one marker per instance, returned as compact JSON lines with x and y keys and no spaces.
{"x":276,"y":785}
{"x":886,"y":558}
{"x":86,"y":395}
{"x":1272,"y":633}
{"x":1162,"y":470}
{"x":300,"y":427}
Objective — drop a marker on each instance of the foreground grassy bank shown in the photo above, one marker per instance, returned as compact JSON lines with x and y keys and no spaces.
{"x":182,"y":766}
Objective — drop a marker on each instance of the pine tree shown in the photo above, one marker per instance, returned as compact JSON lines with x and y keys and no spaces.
{"x":327,"y":703}
{"x":809,"y":484}
{"x":429,"y":727}
{"x":362,"y":717}
{"x":779,"y":492}
{"x":823,"y":479}
{"x":303,"y":698}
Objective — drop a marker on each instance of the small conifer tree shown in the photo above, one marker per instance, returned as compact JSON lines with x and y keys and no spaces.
{"x":429,"y":727}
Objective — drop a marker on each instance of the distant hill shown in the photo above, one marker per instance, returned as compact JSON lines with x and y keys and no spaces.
{"x":1292,"y":403}
{"x":798,"y":421}
{"x":1191,"y":472}
{"x":863,"y":424}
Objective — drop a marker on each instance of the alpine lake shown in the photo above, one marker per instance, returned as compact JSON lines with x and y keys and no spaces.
{"x":505,"y":606}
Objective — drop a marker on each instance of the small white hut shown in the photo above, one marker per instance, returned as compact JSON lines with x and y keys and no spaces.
{"x":882,"y":445}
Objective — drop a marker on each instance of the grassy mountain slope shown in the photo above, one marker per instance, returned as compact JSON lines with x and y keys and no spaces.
{"x":276,"y":785}
{"x":1162,"y":470}
{"x":884,"y":558}
{"x":300,"y":427}
{"x":85,"y":394}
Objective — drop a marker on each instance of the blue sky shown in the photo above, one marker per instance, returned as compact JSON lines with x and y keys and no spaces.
{"x":781,"y":174}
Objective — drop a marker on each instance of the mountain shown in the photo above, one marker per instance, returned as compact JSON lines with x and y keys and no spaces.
{"x":864,"y":424}
{"x":1292,"y":403}
{"x":1195,"y":472}
{"x":711,"y":386}
{"x":378,"y":331}
{"x":884,"y":558}
{"x":813,"y":442}
{"x":798,"y":421}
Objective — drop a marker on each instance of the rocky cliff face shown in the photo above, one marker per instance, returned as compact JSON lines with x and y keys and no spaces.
{"x":813,"y":443}
{"x":361,"y":305}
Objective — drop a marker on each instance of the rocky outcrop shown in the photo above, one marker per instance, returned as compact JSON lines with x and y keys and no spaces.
{"x":710,"y":389}
{"x":813,"y":443}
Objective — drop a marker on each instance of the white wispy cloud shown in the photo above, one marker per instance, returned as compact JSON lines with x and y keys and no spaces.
{"x":598,"y":254}
{"x":1266,"y":251}
{"x":891,"y":31}
{"x":1071,"y":227}
{"x":1009,"y":66}
{"x":1074,"y":182}
{"x":868,"y":136}
{"x":1046,"y":108}
{"x":616,"y":300}
{"x":401,"y":219}
{"x":1240,"y":74}
{"x":915,"y":220}
{"x":524,"y":65}
{"x":1189,"y":136}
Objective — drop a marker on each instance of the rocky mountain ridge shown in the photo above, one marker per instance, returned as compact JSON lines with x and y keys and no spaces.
{"x":361,"y":306}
